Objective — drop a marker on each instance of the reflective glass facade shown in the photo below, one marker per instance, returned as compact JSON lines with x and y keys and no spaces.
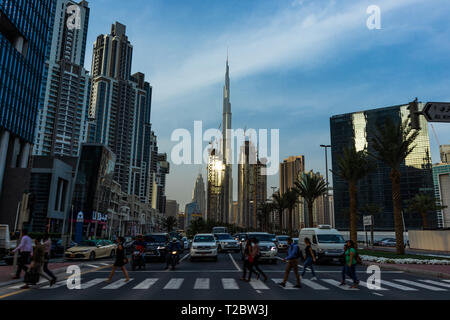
{"x":24,"y":32}
{"x":416,"y":175}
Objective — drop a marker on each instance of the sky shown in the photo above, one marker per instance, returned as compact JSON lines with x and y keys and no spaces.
{"x":293,"y":65}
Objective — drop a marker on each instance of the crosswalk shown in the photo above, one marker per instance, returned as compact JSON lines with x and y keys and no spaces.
{"x":258,"y":285}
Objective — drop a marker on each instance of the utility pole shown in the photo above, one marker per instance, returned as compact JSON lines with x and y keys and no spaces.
{"x":327,"y":209}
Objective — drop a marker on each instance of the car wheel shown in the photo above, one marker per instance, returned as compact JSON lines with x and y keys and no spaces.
{"x":113,"y":253}
{"x":92,"y":256}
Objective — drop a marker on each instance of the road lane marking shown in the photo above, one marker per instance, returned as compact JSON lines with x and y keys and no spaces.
{"x":91,"y":265}
{"x":229,"y":284}
{"x":234,"y":262}
{"x":289,"y":286}
{"x":377,"y":294}
{"x":313,"y":284}
{"x":397,"y":286}
{"x":117,"y":284}
{"x":104,"y":264}
{"x":56,"y":285}
{"x":146,"y":284}
{"x":201,"y":283}
{"x":18,"y":286}
{"x":437,"y":283}
{"x":337,"y":284}
{"x":92,"y":283}
{"x":174,"y":284}
{"x":421,"y":285}
{"x":364,"y":284}
{"x":258,"y":285}
{"x":185,"y":256}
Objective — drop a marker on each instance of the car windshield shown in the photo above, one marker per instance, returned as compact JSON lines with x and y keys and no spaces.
{"x":204,"y":239}
{"x":160,"y":238}
{"x":261,"y":237}
{"x":88,"y":243}
{"x":330,"y":238}
{"x":282,"y":238}
{"x":224,"y":237}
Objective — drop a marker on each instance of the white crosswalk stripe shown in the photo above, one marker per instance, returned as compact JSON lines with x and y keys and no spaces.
{"x":258,"y":285}
{"x":229,"y":284}
{"x":337,"y":284}
{"x":92,"y":283}
{"x":437,"y":283}
{"x":18,"y":286}
{"x":91,"y":265}
{"x":313,"y":284}
{"x":201,"y":283}
{"x":146,"y":284}
{"x":364,"y":284}
{"x":117,"y":284}
{"x":421,"y":285}
{"x":174,"y":284}
{"x":397,"y":286}
{"x":56,"y":285}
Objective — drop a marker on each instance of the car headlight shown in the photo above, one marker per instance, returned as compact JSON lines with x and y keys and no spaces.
{"x":273,"y":248}
{"x":161,"y":248}
{"x":321,"y":250}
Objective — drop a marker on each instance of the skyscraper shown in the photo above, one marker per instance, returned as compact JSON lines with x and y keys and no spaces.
{"x":227,"y":190}
{"x":198,"y":194}
{"x":63,"y":106}
{"x":358,"y":129}
{"x":290,"y":170}
{"x":119,"y":111}
{"x":441,"y":180}
{"x":25,"y":28}
{"x":216,"y":174}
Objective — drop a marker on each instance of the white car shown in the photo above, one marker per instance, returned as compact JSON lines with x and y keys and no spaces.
{"x":204,"y":245}
{"x":227,"y":242}
{"x":186,"y":243}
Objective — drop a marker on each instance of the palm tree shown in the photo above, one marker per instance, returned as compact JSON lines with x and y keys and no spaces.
{"x":265,"y":209}
{"x":423,"y":204}
{"x":392,"y":143}
{"x":291,"y":199}
{"x":169,"y":222}
{"x":353,"y":166}
{"x":310,"y":187}
{"x":279,"y":204}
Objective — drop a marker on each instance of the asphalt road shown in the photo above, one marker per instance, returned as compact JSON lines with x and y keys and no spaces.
{"x":209,"y":280}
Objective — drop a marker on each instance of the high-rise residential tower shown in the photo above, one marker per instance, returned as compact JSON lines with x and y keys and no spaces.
{"x":119,"y":111}
{"x":198,"y":194}
{"x":63,"y":106}
{"x":25,"y":27}
{"x":358,"y":129}
{"x":214,"y":192}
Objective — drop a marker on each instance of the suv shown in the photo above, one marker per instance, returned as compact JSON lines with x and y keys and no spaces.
{"x":267,"y":246}
{"x":226,"y":242}
{"x":156,"y":245}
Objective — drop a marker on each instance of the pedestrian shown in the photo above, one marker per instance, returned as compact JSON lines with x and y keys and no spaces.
{"x":344,"y":268}
{"x":255,"y":255}
{"x":248,"y":260}
{"x":25,"y":249}
{"x":292,"y":263}
{"x":350,"y":262}
{"x":48,"y":249}
{"x":121,"y":260}
{"x":37,"y":262}
{"x":309,"y":259}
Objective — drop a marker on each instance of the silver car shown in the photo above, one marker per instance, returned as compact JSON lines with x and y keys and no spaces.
{"x":267,"y":246}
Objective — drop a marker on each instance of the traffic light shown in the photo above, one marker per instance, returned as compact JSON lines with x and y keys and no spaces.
{"x":414,"y":114}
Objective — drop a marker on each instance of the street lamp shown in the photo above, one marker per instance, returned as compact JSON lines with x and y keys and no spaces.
{"x":327,"y":209}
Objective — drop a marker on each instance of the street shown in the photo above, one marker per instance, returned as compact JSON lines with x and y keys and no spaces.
{"x":209,"y":280}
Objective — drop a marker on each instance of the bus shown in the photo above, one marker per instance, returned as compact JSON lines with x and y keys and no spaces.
{"x":219,"y":230}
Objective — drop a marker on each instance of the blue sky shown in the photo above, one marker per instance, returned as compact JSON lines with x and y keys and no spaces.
{"x":293,"y":64}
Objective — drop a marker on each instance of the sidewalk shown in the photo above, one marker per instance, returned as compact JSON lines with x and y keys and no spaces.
{"x":6,"y":277}
{"x":439,"y":271}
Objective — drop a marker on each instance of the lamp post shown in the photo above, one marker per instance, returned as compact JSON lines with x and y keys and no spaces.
{"x":327,"y":209}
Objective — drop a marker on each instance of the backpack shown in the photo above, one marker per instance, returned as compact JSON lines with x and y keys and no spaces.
{"x":31,"y":276}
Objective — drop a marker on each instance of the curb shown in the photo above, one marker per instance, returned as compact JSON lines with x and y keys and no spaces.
{"x":436,"y":274}
{"x":56,"y":272}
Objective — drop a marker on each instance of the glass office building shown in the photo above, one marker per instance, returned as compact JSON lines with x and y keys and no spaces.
{"x":358,"y":128}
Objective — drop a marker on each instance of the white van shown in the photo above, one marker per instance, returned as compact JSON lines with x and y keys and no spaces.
{"x":327,"y":243}
{"x":5,"y":242}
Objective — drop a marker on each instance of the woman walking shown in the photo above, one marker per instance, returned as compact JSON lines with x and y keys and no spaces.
{"x":350,"y":262}
{"x":255,"y":254}
{"x":121,"y":260}
{"x":309,"y":259}
{"x":48,"y":249}
{"x":248,"y":261}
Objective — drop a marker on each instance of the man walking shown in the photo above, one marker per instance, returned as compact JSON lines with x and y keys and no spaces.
{"x":25,"y":250}
{"x":37,"y":263}
{"x":292,"y":263}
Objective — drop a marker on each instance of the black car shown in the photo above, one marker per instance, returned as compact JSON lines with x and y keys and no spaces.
{"x":156,"y":246}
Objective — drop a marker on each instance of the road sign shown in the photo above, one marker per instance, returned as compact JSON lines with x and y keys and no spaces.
{"x":367,"y":220}
{"x":437,"y":111}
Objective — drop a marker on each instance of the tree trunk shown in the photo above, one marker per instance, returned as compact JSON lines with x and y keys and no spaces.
{"x":353,"y":218}
{"x":398,"y":221}
{"x":290,"y":222}
{"x":310,"y":214}
{"x":424,"y":219}
{"x":281,"y":220}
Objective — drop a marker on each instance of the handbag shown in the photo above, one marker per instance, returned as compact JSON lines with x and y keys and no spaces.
{"x":31,"y":276}
{"x":250,"y":258}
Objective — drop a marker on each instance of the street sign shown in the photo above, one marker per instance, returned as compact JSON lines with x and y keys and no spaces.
{"x":437,"y":111}
{"x":367,"y":220}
